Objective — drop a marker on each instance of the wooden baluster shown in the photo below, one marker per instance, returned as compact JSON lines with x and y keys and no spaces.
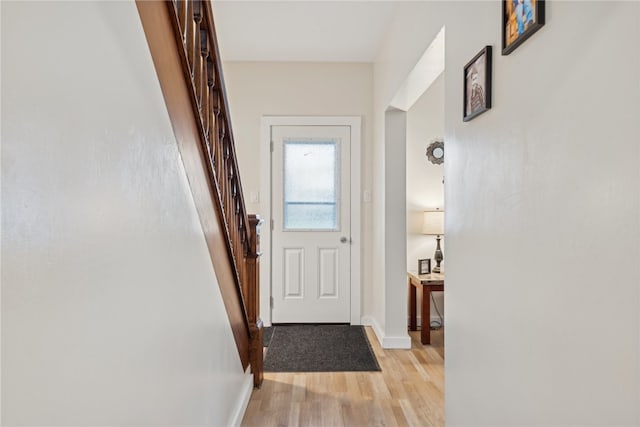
{"x":234,"y":193}
{"x":252,"y":300}
{"x":232,"y":215}
{"x":237,"y":244}
{"x":219,"y":142}
{"x":232,"y":221}
{"x":239,"y":253}
{"x":197,"y":55}
{"x":225,"y":170}
{"x":228,"y":178}
{"x":215,"y":107}
{"x":211,"y":110}
{"x":182,"y":18}
{"x":223,"y":182}
{"x":234,"y":190}
{"x":245,"y":250}
{"x":239,"y":239}
{"x":241,"y":230}
{"x":232,"y":211}
{"x":220,"y":147}
{"x":204,"y":106}
{"x":190,"y":35}
{"x":234,"y":235}
{"x":237,"y":232}
{"x":244,"y":235}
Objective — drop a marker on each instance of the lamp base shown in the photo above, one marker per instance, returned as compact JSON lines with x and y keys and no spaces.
{"x":437,"y":256}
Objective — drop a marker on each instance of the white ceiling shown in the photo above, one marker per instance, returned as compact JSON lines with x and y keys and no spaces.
{"x":321,"y":31}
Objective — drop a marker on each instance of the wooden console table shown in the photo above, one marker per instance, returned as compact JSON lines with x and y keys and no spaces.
{"x":428,"y":283}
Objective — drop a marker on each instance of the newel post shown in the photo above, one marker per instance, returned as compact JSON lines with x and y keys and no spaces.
{"x":256,"y":327}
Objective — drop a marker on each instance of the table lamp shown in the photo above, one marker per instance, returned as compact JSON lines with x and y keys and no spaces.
{"x":433,"y":225}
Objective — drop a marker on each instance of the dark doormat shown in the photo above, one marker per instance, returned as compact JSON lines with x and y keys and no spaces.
{"x":267,"y":333}
{"x":319,"y":348}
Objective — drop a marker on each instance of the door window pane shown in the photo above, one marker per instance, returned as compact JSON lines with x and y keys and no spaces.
{"x":311,"y":184}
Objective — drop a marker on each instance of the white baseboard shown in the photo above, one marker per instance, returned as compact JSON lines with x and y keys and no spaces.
{"x":370,"y":321}
{"x":397,"y":342}
{"x":243,"y":400}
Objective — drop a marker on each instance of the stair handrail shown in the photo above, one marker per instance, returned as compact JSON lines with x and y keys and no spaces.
{"x":196,"y":42}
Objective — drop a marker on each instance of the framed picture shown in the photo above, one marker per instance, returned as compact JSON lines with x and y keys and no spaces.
{"x":520,"y":19}
{"x":477,"y":85}
{"x":424,"y":266}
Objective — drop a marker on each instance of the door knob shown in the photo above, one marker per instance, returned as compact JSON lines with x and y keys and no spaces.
{"x":343,"y":239}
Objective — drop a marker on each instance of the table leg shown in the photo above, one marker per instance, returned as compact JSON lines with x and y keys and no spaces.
{"x":413,"y":324}
{"x":425,"y":333}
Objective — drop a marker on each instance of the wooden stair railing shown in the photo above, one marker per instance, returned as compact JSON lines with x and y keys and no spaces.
{"x":182,"y":40}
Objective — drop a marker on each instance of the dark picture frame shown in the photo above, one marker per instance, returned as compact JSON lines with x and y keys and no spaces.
{"x":424,"y":266}
{"x":477,"y":85}
{"x":520,"y":19}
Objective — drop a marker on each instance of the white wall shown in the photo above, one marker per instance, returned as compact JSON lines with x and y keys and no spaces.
{"x":543,"y":212}
{"x":425,"y":189}
{"x":111,"y":314}
{"x":257,"y":89}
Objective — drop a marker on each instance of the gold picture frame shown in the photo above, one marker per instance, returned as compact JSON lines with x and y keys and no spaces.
{"x":520,"y":19}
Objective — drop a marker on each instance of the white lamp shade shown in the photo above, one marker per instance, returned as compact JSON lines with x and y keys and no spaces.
{"x":433,"y":223}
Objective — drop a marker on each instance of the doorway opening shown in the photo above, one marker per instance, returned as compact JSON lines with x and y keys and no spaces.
{"x":400,"y":212}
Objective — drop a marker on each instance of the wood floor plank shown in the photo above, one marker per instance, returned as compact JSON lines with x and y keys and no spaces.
{"x":294,"y":414}
{"x":299,"y":389}
{"x":408,"y":392}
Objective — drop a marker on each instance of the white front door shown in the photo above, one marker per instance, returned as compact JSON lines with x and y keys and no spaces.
{"x":311,"y":224}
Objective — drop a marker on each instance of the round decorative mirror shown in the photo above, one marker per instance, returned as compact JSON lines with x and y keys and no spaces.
{"x":435,"y":152}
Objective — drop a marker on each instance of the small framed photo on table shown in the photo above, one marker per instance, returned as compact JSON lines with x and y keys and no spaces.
{"x":424,"y":266}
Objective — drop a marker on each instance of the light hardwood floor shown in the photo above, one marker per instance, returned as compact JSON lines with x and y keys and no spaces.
{"x":408,"y":392}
